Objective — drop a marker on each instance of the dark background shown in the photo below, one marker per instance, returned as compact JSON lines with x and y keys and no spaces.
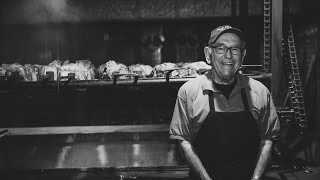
{"x":40,"y":31}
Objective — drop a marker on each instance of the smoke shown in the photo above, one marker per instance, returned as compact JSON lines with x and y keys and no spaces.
{"x":57,"y":5}
{"x":43,"y":11}
{"x":60,"y":10}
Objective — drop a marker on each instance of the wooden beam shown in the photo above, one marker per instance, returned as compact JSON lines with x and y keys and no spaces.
{"x":243,"y":6}
{"x":87,"y":129}
{"x":244,"y":14}
{"x":234,"y":8}
{"x":276,"y":51}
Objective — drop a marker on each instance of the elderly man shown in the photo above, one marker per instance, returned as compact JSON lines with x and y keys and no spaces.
{"x":225,"y":122}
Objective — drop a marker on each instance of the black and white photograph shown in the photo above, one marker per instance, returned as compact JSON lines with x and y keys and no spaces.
{"x":159,"y":90}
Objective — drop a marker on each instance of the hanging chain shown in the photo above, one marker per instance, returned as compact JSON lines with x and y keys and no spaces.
{"x":295,"y":85}
{"x":267,"y":35}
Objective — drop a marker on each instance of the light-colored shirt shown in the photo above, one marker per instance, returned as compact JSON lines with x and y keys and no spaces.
{"x":192,"y":106}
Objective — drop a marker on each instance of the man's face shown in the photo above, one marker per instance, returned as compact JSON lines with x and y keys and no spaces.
{"x":225,"y":65}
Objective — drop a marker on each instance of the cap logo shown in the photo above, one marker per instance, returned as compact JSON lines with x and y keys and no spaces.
{"x":223,"y":28}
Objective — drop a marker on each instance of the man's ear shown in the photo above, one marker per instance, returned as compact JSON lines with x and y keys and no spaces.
{"x":244,"y":54}
{"x":207,"y":52}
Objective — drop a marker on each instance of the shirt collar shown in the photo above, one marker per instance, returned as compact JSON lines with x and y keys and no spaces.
{"x":207,"y":82}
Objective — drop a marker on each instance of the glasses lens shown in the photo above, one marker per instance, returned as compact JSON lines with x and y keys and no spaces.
{"x":235,"y":51}
{"x":223,"y":50}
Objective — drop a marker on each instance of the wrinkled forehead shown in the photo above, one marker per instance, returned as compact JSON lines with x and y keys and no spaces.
{"x":229,"y":39}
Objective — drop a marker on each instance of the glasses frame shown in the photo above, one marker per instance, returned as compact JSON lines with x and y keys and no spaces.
{"x":227,"y":48}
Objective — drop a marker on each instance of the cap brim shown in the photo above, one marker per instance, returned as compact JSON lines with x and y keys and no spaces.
{"x":230,"y":30}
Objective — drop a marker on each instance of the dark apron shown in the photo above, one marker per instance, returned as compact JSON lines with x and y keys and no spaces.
{"x":228,"y":143}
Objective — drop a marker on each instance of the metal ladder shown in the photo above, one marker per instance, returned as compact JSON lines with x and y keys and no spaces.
{"x":297,"y":113}
{"x":295,"y":84}
{"x":267,"y":36}
{"x":293,"y":71}
{"x":297,"y":116}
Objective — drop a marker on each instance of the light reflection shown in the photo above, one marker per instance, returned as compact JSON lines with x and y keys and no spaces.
{"x":33,"y":151}
{"x":136,"y":154}
{"x":171,"y":154}
{"x":136,"y":149}
{"x":70,"y":139}
{"x":102,"y":155}
{"x":62,"y":156}
{"x":136,"y":164}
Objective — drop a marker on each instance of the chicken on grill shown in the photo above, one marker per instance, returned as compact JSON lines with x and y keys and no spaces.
{"x":196,"y":68}
{"x":17,"y":69}
{"x":83,"y":70}
{"x":161,"y":69}
{"x":141,"y":69}
{"x":32,"y":71}
{"x":112,"y":67}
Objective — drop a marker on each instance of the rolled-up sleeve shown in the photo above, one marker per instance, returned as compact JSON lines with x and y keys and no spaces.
{"x":180,"y":127}
{"x":270,"y":125}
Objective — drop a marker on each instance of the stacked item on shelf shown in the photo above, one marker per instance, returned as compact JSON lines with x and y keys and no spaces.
{"x":161,"y":69}
{"x":196,"y":68}
{"x":181,"y":69}
{"x":28,"y":72}
{"x":141,"y":69}
{"x":82,"y":69}
{"x":107,"y":70}
{"x":85,"y":70}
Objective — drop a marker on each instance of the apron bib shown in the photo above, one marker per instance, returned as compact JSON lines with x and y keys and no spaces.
{"x":228,"y":143}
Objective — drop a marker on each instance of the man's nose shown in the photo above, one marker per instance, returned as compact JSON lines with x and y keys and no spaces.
{"x":228,"y":53}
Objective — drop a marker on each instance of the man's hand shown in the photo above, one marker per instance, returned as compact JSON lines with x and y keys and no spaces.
{"x":193,"y":160}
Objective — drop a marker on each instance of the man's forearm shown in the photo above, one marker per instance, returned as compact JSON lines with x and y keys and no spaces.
{"x":193,"y":160}
{"x":264,"y":156}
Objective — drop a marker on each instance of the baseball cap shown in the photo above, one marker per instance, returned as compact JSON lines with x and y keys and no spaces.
{"x":216,"y":33}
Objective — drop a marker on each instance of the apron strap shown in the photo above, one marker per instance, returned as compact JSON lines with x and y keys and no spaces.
{"x":211,"y":102}
{"x":243,"y":96}
{"x":244,"y":99}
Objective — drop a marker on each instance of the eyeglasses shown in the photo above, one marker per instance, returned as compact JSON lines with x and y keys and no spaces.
{"x":223,"y":49}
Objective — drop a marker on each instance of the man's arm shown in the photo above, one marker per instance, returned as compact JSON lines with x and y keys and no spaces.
{"x":193,"y":160}
{"x":264,"y":156}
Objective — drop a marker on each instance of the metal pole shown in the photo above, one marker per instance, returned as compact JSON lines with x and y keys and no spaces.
{"x":276,"y":54}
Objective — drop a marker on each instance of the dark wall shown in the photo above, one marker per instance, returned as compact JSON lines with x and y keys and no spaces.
{"x":40,"y":31}
{"x":56,"y":11}
{"x":35,"y":31}
{"x":121,"y":41}
{"x":111,"y":105}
